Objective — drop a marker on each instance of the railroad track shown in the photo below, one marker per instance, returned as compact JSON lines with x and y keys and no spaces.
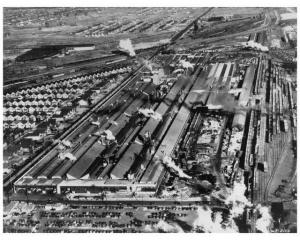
{"x":265,"y":26}
{"x":279,"y":157}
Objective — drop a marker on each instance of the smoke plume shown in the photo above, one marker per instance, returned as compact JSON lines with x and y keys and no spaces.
{"x":125,"y":44}
{"x":168,"y":227}
{"x":237,"y":199}
{"x":210,"y":222}
{"x":150,"y":113}
{"x":264,"y":222}
{"x":186,"y":64}
{"x":168,"y":161}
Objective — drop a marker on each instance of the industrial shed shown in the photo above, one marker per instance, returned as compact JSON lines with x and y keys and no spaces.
{"x":247,"y":85}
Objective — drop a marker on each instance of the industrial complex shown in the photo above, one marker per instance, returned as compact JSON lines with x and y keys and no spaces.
{"x":199,"y":121}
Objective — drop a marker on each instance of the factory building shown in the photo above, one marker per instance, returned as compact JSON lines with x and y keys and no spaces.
{"x":247,"y":85}
{"x":109,"y":185}
{"x":220,"y":75}
{"x":86,"y":171}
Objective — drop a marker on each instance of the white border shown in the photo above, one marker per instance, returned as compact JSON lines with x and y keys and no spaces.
{"x":136,"y":3}
{"x":150,"y":3}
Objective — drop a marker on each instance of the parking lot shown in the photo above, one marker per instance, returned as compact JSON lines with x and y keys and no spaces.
{"x":105,"y":219}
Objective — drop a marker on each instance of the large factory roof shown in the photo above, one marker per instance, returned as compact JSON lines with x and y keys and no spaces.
{"x":228,"y":68}
{"x":218,"y":100}
{"x":52,"y":167}
{"x":82,"y":165}
{"x":126,"y":161}
{"x":99,"y":183}
{"x":61,"y":171}
{"x":174,"y":132}
{"x":169,"y":142}
{"x":148,"y":176}
{"x":39,"y":167}
{"x":85,"y":162}
{"x":247,"y":85}
{"x":213,"y":70}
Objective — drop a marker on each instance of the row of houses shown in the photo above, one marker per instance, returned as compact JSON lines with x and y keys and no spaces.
{"x":28,"y":121}
{"x":30,"y":92}
{"x":19,"y":124}
{"x":56,"y":100}
{"x":46,"y":94}
{"x":33,"y":103}
{"x":26,"y":108}
{"x":28,"y":117}
{"x":69,"y":84}
{"x":44,"y":110}
{"x":33,"y":113}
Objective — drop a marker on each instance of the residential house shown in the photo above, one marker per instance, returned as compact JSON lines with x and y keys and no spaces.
{"x":32,"y":118}
{"x":45,"y":109}
{"x":31,"y":110}
{"x":34,"y":103}
{"x":18,"y":118}
{"x":54,"y":102}
{"x":21,"y":103}
{"x":65,"y":96}
{"x":25,"y":118}
{"x":20,"y":125}
{"x":11,"y":109}
{"x":24,"y":109}
{"x":10,"y":118}
{"x":15,"y":103}
{"x":27,"y":103}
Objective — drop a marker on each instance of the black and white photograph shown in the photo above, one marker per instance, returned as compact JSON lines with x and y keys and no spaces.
{"x":149,"y":119}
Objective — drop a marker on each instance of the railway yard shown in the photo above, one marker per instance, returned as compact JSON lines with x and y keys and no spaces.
{"x":153,"y":137}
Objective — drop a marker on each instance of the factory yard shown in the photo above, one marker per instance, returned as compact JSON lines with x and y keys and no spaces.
{"x":145,"y":123}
